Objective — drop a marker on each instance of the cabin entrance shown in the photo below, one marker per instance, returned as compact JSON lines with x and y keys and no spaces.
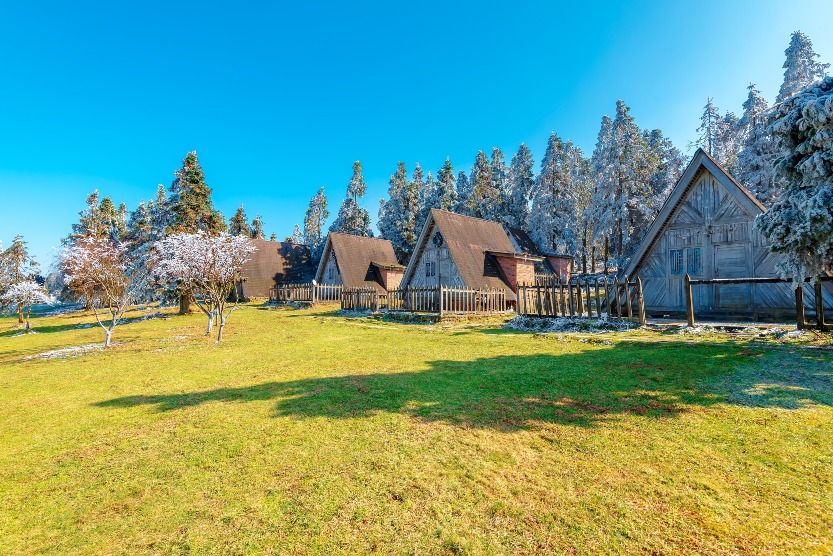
{"x":732,"y":261}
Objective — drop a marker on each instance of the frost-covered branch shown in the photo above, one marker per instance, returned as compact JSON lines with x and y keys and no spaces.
{"x":24,"y":294}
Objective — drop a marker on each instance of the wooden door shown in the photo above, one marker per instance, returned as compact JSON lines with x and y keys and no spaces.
{"x":732,"y":261}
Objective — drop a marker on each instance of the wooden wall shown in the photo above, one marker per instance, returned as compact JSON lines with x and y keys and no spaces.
{"x":446,"y":271}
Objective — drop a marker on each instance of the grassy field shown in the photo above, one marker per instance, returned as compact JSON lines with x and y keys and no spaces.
{"x":308,"y":433}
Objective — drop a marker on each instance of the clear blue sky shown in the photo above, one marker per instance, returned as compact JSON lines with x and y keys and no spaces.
{"x":280,"y":98}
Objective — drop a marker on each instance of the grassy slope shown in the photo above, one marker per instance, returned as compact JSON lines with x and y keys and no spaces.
{"x":309,"y":433}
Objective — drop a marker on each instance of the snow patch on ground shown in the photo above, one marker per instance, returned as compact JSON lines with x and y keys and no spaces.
{"x":535,"y":324}
{"x":66,"y":352}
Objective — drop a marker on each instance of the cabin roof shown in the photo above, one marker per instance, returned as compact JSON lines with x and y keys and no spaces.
{"x":275,"y":262}
{"x":699,"y":162}
{"x":355,"y":256}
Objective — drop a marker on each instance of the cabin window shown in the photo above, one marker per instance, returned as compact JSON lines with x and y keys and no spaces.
{"x":331,"y":273}
{"x":694,"y":263}
{"x":430,"y":268}
{"x":677,"y":265}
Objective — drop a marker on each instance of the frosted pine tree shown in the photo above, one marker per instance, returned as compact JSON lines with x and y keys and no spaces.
{"x":190,"y":200}
{"x":553,"y":215}
{"x":800,"y":223}
{"x":464,"y":194}
{"x":443,"y":194}
{"x":314,"y":220}
{"x":717,"y":135}
{"x":759,"y":150}
{"x":801,"y":69}
{"x":256,"y":228}
{"x":238,"y":224}
{"x":398,"y":215}
{"x":500,"y":184}
{"x":297,"y":236}
{"x":352,"y":218}
{"x":521,"y":180}
{"x":484,"y":200}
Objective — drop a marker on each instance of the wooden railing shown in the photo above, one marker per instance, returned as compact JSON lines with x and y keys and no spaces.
{"x":360,"y":299}
{"x":304,"y":293}
{"x":592,"y":297}
{"x":800,"y":320}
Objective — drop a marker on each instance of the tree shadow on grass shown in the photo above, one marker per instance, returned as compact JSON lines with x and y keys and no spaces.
{"x":647,"y":379}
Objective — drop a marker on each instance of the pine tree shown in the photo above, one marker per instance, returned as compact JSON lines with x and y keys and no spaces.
{"x":441,"y":194}
{"x":274,"y":237}
{"x":801,"y":69}
{"x":521,"y":180}
{"x":351,"y":218}
{"x":314,"y":220}
{"x":484,"y":199}
{"x":553,"y":215}
{"x":238,"y":225}
{"x":139,"y":225}
{"x":256,"y":228}
{"x":160,"y":214}
{"x":190,"y":201}
{"x":759,"y":150}
{"x":297,"y":237}
{"x":800,"y":223}
{"x":18,"y":266}
{"x":464,"y":193}
{"x":500,"y":184}
{"x":717,"y":135}
{"x":399,"y":214}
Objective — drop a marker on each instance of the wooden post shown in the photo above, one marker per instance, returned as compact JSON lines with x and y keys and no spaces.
{"x":441,"y":302}
{"x":589,"y":299}
{"x":640,"y":300}
{"x":598,"y":299}
{"x":799,"y":307}
{"x":628,"y":300}
{"x":819,"y":305}
{"x":579,"y":300}
{"x":689,"y":301}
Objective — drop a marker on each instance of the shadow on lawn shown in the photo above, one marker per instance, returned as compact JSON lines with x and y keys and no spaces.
{"x":649,"y":379}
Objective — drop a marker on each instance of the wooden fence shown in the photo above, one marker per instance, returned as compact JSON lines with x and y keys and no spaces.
{"x":360,"y":299}
{"x":442,"y":300}
{"x":590,"y":298}
{"x":800,"y":321}
{"x":304,"y":293}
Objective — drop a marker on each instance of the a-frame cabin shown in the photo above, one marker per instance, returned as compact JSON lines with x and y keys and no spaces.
{"x":706,"y":229}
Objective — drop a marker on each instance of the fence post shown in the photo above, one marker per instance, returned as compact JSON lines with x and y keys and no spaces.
{"x":598,"y":299}
{"x":441,"y":303}
{"x":628,"y":299}
{"x":689,"y":302}
{"x":640,"y":300}
{"x":799,"y":307}
{"x":819,"y":305}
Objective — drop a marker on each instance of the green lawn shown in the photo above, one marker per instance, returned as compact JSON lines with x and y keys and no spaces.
{"x":308,"y":433}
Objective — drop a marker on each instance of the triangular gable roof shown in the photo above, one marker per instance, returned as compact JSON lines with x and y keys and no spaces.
{"x":354,"y":256}
{"x":701,"y":160}
{"x":469,"y":241}
{"x":275,"y":262}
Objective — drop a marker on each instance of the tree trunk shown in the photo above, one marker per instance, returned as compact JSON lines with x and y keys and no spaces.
{"x":20,"y":313}
{"x":210,"y":326}
{"x":108,"y":334}
{"x":220,"y":331}
{"x":185,"y":303}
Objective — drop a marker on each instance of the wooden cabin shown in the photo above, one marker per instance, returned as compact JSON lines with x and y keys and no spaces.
{"x":706,"y":229}
{"x":274,"y":263}
{"x":553,"y":263}
{"x":466,"y":252}
{"x":357,"y":261}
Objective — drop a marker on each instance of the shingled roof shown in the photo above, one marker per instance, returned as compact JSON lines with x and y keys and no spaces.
{"x":275,"y":262}
{"x":355,"y":256}
{"x":469,"y":241}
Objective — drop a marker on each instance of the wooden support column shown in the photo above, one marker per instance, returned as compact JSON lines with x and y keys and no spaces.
{"x":799,"y":307}
{"x":628,"y":300}
{"x":819,"y":305}
{"x":640,"y":300}
{"x":689,"y":301}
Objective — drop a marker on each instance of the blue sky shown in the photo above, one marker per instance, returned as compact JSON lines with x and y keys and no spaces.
{"x":279,"y":99}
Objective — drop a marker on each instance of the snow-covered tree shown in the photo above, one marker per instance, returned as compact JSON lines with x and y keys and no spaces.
{"x":256,"y":229}
{"x":297,"y":236}
{"x":800,"y":223}
{"x":18,"y":266}
{"x":801,"y":69}
{"x":485,"y":198}
{"x":238,"y":225}
{"x":441,"y":194}
{"x":553,"y":218}
{"x":521,"y":180}
{"x":717,"y":135}
{"x":190,"y":200}
{"x":664,"y":164}
{"x":464,"y":193}
{"x":314,"y":220}
{"x":352,"y":218}
{"x":399,"y":214}
{"x":759,"y":150}
{"x":500,"y":183}
{"x":108,"y":275}
{"x":101,"y":219}
{"x":24,"y":295}
{"x":207,"y":265}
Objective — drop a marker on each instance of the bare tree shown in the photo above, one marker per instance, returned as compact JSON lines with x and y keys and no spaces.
{"x":108,"y":275}
{"x":209,"y":267}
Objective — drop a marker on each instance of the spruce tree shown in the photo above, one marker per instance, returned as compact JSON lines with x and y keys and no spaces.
{"x":441,"y":194}
{"x":801,"y":69}
{"x":238,"y":224}
{"x":314,"y":220}
{"x":18,"y":266}
{"x":717,"y":135}
{"x":256,"y":229}
{"x":521,"y":180}
{"x":464,"y":194}
{"x":190,"y":201}
{"x":297,"y":237}
{"x":399,"y":214}
{"x":500,"y":184}
{"x":759,"y":150}
{"x":553,"y":215}
{"x":351,"y":218}
{"x":484,"y":199}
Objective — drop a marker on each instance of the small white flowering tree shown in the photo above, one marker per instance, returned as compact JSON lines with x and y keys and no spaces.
{"x":108,"y":275}
{"x":209,"y":267}
{"x":24,"y":294}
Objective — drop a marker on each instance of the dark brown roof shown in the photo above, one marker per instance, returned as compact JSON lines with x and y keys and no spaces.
{"x":275,"y":262}
{"x":354,"y":255}
{"x":523,"y":241}
{"x":469,"y":240}
{"x":388,"y":266}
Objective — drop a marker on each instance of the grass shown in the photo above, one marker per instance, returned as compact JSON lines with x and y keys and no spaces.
{"x":308,"y":433}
